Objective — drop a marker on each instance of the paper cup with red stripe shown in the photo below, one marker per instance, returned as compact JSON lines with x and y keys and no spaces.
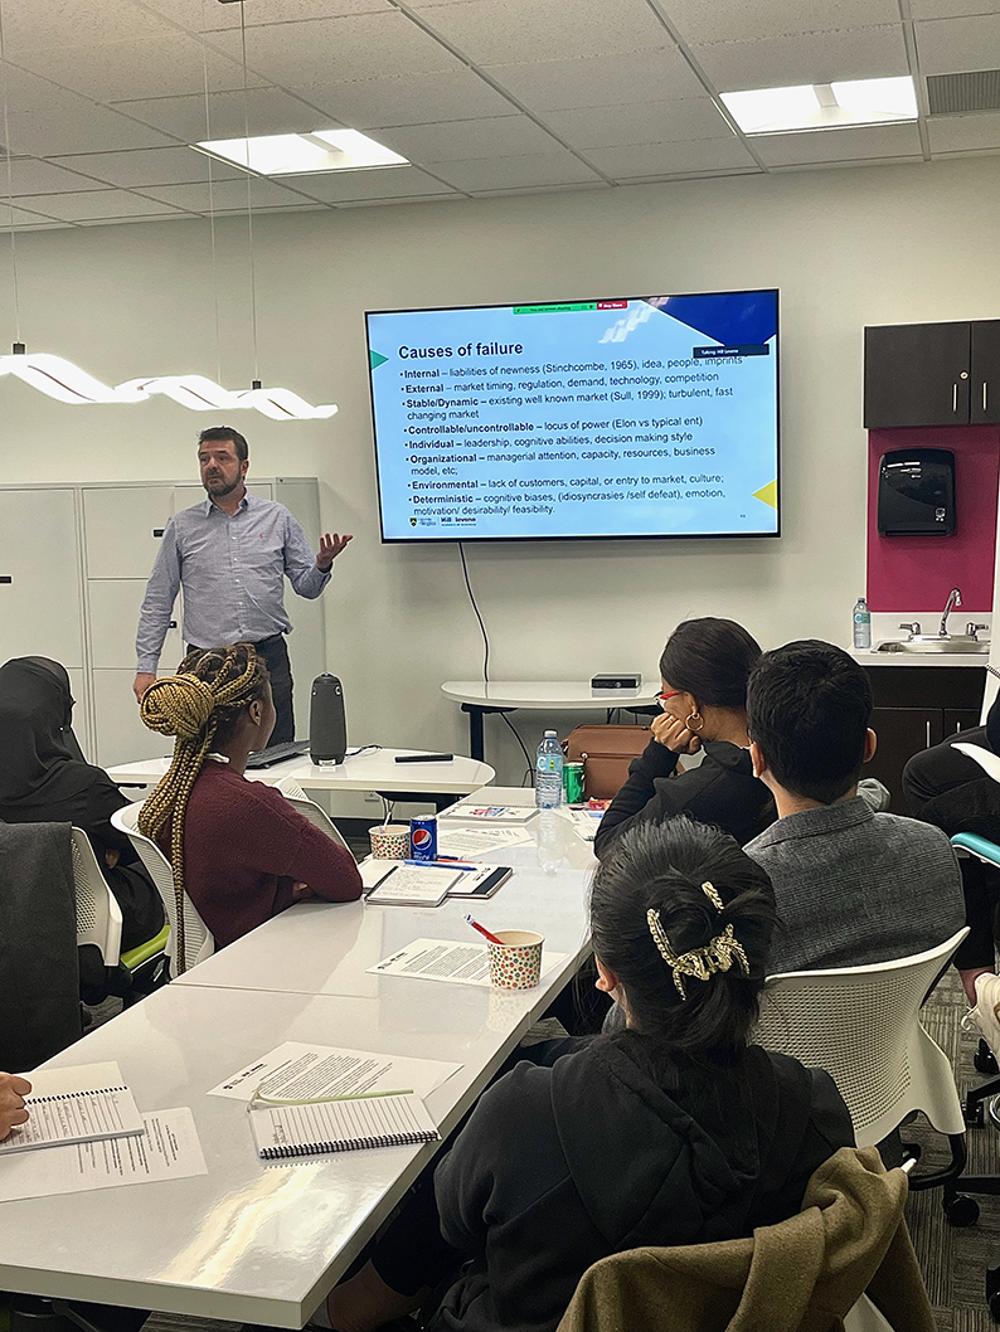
{"x":390,"y":841}
{"x":516,"y":962}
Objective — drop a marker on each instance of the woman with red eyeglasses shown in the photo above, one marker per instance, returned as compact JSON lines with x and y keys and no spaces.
{"x":705,"y":667}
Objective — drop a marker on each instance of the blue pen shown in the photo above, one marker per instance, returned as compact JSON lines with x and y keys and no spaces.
{"x":442,"y":864}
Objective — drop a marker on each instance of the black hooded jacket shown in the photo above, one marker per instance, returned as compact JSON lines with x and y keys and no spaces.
{"x":561,"y":1166}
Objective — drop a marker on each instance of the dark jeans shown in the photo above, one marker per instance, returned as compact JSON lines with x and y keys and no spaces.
{"x":950,"y":790}
{"x":274,"y":650}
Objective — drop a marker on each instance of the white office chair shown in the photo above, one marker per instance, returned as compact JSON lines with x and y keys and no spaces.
{"x":862,"y":1024}
{"x":98,"y":915}
{"x":295,"y":795}
{"x":199,"y":942}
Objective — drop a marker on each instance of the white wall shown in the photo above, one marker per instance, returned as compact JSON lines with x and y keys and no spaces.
{"x":878,"y":244}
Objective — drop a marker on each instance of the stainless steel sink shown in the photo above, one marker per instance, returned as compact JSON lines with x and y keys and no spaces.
{"x":929,"y":643}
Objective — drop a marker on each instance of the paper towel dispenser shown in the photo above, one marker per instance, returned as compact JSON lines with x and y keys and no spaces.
{"x":916,"y":493}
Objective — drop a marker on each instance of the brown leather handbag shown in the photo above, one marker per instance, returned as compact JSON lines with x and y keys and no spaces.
{"x":606,"y":752}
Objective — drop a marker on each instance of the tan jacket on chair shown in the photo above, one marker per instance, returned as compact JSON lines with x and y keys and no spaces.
{"x":803,"y":1275}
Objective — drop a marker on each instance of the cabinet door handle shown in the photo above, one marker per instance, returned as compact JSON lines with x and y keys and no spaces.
{"x":985,"y":395}
{"x":954,"y":397}
{"x":928,"y":733}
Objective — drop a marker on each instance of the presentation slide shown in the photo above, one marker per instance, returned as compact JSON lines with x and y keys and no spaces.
{"x":647,"y":416}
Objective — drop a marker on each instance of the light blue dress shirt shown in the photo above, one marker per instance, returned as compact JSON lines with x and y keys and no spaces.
{"x":232,"y":571}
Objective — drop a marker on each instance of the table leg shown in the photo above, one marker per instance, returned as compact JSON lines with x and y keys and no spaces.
{"x":477,"y":738}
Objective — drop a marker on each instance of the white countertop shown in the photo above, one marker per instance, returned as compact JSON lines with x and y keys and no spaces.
{"x":869,"y":657}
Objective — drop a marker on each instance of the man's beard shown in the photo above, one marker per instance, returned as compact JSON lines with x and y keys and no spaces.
{"x":219,"y":489}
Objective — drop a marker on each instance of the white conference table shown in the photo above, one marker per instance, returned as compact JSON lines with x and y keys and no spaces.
{"x":372,"y":770}
{"x":316,"y":948}
{"x":477,"y":699}
{"x":264,"y":1244}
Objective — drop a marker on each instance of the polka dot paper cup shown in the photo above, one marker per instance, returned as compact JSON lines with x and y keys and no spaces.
{"x":516,"y":962}
{"x":390,"y":841}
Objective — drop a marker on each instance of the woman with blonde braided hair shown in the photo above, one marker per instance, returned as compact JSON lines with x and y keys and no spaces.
{"x":238,"y":849}
{"x":673,"y":1131}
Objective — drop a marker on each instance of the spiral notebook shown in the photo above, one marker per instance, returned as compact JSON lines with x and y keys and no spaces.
{"x":285,"y":1132}
{"x":67,"y":1105}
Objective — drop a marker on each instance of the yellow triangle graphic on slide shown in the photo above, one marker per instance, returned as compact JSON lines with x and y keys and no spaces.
{"x":768,"y":494}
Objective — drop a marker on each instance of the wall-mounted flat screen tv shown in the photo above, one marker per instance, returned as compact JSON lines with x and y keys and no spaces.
{"x":636,"y":416}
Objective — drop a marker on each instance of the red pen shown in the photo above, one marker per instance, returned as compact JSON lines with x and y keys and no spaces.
{"x":491,"y":938}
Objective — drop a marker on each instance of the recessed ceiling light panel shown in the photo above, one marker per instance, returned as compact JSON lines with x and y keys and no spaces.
{"x":839,"y":105}
{"x":303,"y":154}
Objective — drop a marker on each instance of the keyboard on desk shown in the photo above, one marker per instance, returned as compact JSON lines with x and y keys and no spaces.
{"x":264,"y":758}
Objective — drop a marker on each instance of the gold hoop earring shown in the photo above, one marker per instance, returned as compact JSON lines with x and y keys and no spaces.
{"x":694,"y":721}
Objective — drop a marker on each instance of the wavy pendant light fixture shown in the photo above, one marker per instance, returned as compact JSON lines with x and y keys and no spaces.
{"x":66,"y":382}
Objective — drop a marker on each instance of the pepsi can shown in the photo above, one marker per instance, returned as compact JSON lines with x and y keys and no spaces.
{"x":424,"y":838}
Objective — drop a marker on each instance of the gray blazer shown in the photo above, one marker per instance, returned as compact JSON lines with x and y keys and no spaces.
{"x":853,"y":887}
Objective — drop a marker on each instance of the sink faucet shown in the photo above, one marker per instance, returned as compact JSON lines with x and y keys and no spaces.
{"x":954,"y":599}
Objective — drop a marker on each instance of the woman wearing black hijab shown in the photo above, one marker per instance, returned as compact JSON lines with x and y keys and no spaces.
{"x":45,"y":779}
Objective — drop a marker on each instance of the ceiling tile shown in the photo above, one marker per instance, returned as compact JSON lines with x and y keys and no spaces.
{"x":162,"y":67}
{"x":19,"y":217}
{"x":84,"y":129}
{"x":925,"y":9}
{"x":843,"y":145}
{"x":405,"y":199}
{"x":537,"y":169}
{"x":500,"y":136}
{"x":32,"y":25}
{"x":30,"y":176}
{"x":668,"y":159}
{"x":269,"y":111}
{"x":854,"y":53}
{"x":154,"y":166}
{"x":225,"y":195}
{"x":489,"y":31}
{"x":949,"y":46}
{"x":420,"y":99}
{"x":94,"y":204}
{"x":207,"y":16}
{"x":645,"y":122}
{"x":320,"y":52}
{"x":955,"y":134}
{"x":700,"y":21}
{"x":557,"y":85}
{"x":387,"y":183}
{"x":31,"y":92}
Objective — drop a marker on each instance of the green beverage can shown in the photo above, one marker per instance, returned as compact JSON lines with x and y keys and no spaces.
{"x":573,"y":783}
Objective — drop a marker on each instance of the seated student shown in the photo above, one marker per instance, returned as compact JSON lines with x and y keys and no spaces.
{"x":239,"y":850}
{"x":704,"y":667}
{"x":673,"y":1131}
{"x":851,"y":886}
{"x":13,"y":1090}
{"x":45,"y":779}
{"x":945,"y":787}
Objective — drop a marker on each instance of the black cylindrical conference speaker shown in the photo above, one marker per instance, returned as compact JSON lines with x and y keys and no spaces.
{"x":327,"y":721}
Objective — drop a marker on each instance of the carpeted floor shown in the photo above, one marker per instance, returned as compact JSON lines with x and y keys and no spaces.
{"x":954,"y":1261}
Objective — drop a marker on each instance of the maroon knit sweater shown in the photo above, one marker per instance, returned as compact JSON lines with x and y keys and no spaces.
{"x":244,"y":847}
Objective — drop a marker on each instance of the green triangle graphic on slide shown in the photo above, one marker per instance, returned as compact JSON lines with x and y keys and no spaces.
{"x":375,"y":359}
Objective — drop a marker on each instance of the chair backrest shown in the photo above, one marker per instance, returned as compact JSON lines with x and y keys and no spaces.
{"x":295,"y":795}
{"x":98,"y":915}
{"x":862,"y":1024}
{"x":198,"y":943}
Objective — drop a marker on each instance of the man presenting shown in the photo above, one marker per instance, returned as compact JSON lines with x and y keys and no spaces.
{"x":230,"y":554}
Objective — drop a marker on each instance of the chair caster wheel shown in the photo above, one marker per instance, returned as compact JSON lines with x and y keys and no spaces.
{"x":963,"y":1211}
{"x":984,"y":1060}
